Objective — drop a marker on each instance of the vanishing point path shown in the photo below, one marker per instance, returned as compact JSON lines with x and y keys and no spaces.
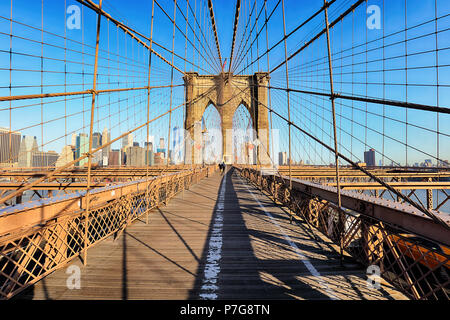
{"x":222,"y":239}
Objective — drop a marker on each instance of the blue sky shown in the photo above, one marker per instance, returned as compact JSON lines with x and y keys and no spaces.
{"x":122,"y":64}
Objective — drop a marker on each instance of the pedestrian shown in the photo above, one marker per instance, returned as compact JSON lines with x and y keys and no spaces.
{"x":224,"y":167}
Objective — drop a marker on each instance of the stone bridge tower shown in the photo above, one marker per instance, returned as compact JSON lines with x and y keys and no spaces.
{"x":226,"y":92}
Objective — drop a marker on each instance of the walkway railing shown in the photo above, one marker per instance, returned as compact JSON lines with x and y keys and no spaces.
{"x":38,"y":237}
{"x":392,"y":242}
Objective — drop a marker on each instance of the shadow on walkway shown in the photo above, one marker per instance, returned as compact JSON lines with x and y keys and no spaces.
{"x":243,"y":275}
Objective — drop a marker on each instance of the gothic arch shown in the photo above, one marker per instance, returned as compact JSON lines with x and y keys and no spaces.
{"x":206,"y":106}
{"x":212,"y":135}
{"x":226,"y":96}
{"x":251,"y":111}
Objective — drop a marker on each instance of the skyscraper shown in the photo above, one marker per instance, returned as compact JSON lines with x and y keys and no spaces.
{"x":369,"y":158}
{"x":161,"y":148}
{"x":66,"y":156}
{"x":74,"y":139}
{"x":282,"y":158}
{"x":150,"y":146}
{"x":177,"y":150}
{"x":149,"y":157}
{"x":151,"y":139}
{"x":82,"y":147}
{"x":105,"y":151}
{"x":127,"y":141}
{"x":28,"y":146}
{"x":9,"y":146}
{"x":97,"y":142}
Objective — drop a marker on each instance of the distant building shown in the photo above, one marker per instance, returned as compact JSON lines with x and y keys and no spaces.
{"x":28,"y":146}
{"x":66,"y":156}
{"x":151,"y":139}
{"x":159,"y":159}
{"x":127,"y":141}
{"x":74,"y":139}
{"x":106,"y":137}
{"x":251,"y":154}
{"x":81,"y":148}
{"x":163,"y":151}
{"x":135,"y":156}
{"x":114,"y":158}
{"x":428,"y":163}
{"x":96,"y":143}
{"x":149,"y":144}
{"x":44,"y":159}
{"x":149,"y":157}
{"x":178,"y":146}
{"x":170,"y":157}
{"x":96,"y":140}
{"x":161,"y":143}
{"x":369,"y":157}
{"x":123,"y":156}
{"x":242,"y":157}
{"x":282,"y":158}
{"x":9,"y":146}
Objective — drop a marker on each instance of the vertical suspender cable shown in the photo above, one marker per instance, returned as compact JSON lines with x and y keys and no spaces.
{"x":91,"y":127}
{"x":330,"y":67}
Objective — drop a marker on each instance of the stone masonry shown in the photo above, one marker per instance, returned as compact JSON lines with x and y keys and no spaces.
{"x":226,"y":92}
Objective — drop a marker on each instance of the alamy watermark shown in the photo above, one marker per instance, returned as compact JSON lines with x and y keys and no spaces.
{"x":73,"y":20}
{"x":373,"y":277}
{"x":374,"y":19}
{"x":74,"y":279}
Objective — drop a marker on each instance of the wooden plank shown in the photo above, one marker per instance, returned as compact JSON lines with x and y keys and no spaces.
{"x":166,"y":258}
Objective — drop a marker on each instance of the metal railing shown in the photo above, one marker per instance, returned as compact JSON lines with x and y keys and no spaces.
{"x":41,"y":236}
{"x":414,"y":264}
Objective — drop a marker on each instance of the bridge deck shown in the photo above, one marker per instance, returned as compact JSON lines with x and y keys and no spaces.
{"x":220,"y":239}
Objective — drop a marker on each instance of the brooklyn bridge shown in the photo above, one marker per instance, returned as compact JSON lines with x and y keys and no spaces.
{"x":211,"y":150}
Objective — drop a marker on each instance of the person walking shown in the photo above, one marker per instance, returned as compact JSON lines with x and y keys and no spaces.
{"x":224,"y":167}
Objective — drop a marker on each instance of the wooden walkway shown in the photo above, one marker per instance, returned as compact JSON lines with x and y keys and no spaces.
{"x":221,"y":239}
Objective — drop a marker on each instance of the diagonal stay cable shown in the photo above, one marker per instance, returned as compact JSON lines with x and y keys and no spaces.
{"x":213,"y":22}
{"x":59,"y":169}
{"x":128,"y":30}
{"x":318,"y":35}
{"x":236,"y":22}
{"x":374,"y":177}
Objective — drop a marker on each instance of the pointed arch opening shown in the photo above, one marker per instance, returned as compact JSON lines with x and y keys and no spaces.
{"x":212,"y":146}
{"x":244,"y":136}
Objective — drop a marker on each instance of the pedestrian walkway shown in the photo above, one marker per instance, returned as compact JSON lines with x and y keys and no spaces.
{"x":222,"y":239}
